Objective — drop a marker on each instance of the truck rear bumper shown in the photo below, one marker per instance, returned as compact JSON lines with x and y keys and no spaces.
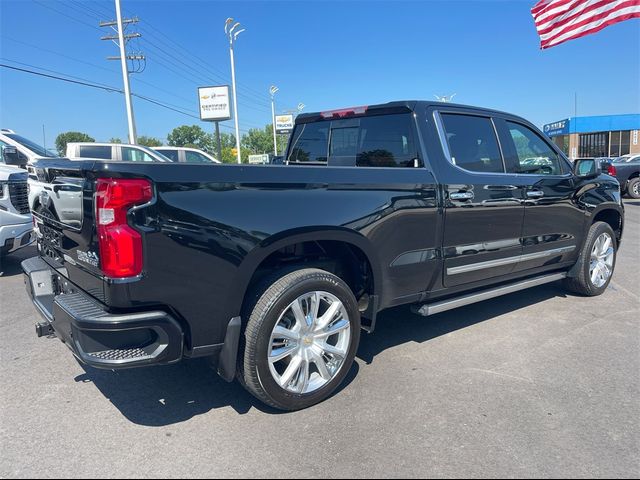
{"x":95,"y":336}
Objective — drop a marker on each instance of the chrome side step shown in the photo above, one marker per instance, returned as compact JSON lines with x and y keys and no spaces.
{"x":451,"y":303}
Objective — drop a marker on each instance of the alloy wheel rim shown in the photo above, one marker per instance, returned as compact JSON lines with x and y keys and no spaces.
{"x":309,"y":343}
{"x":636,"y":188}
{"x":602,"y":256}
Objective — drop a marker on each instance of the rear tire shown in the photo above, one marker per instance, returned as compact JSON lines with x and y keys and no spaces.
{"x":310,"y":318}
{"x":633,"y":188}
{"x":596,"y":263}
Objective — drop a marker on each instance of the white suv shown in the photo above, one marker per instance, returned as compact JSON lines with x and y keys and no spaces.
{"x":113,"y":151}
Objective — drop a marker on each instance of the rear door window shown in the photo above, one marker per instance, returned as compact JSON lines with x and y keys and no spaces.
{"x":195,"y":157}
{"x":472,"y":143}
{"x":96,"y":151}
{"x":171,"y":154}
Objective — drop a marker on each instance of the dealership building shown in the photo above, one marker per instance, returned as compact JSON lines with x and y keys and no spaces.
{"x":600,"y":136}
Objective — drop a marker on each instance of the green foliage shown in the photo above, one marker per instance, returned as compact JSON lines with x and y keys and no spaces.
{"x":149,"y":141}
{"x":189,"y":135}
{"x":261,"y":140}
{"x":66,"y":137}
{"x":115,"y":140}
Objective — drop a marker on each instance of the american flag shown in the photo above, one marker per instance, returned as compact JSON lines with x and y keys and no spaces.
{"x":560,"y":20}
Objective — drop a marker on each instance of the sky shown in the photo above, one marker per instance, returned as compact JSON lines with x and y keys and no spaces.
{"x":324,"y":54}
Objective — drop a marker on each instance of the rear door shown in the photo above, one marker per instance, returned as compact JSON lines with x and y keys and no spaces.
{"x":553,"y":222}
{"x":482,"y":202}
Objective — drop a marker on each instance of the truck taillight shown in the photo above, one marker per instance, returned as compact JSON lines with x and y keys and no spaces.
{"x":611,"y":170}
{"x":119,"y":244}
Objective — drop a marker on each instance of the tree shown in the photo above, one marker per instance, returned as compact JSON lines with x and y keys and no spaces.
{"x":189,"y":135}
{"x":66,"y":137}
{"x":149,"y":141}
{"x":258,"y":140}
{"x":115,"y":140}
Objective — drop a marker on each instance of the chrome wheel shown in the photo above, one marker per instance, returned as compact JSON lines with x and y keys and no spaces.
{"x":309,"y":343}
{"x":602,"y":255}
{"x":635,"y":188}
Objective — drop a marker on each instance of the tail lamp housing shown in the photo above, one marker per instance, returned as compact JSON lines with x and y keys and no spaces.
{"x":611,"y":170}
{"x":120,"y":245}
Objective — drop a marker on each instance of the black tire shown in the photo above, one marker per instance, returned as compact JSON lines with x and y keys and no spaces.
{"x":633,"y":188}
{"x":580,"y":281}
{"x":263,"y":310}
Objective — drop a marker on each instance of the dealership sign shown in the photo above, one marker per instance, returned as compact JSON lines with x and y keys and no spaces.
{"x":284,"y":123}
{"x":557,"y":128}
{"x":214,"y":103}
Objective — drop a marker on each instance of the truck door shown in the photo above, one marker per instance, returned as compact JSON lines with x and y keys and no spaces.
{"x":483,"y":205}
{"x":553,"y":222}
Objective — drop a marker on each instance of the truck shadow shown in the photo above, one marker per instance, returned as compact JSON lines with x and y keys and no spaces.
{"x":167,"y":395}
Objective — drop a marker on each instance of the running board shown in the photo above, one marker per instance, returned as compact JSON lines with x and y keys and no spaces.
{"x":451,"y":303}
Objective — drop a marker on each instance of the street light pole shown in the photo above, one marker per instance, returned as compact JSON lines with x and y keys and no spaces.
{"x":273,"y":90}
{"x":230,"y":29}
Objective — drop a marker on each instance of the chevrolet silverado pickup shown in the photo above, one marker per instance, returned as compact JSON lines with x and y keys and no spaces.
{"x":273,"y":271}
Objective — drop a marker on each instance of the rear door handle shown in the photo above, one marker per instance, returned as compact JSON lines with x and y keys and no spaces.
{"x":535,"y":193}
{"x":461,"y":196}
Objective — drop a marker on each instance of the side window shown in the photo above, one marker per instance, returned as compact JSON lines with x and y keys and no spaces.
{"x":386,"y":141}
{"x":96,"y":151}
{"x":310,"y":143}
{"x":195,"y":157}
{"x":533,"y":155}
{"x":472,"y":143}
{"x":134,"y":155}
{"x":171,"y":154}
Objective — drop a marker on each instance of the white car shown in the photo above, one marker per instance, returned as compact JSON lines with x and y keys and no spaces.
{"x":186,"y":155}
{"x":113,"y":151}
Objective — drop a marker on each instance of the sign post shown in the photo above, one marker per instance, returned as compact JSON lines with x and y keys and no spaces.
{"x":215,"y":107}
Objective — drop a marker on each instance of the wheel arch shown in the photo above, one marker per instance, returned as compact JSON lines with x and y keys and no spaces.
{"x":331,"y":238}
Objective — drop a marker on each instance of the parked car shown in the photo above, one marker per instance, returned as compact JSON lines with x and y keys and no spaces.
{"x":113,"y":151}
{"x":16,"y":227}
{"x":186,"y":155}
{"x":272,"y":272}
{"x":627,"y":171}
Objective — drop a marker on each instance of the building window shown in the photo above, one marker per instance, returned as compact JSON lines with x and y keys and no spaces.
{"x":625,"y":138}
{"x":562,"y":141}
{"x":594,"y":145}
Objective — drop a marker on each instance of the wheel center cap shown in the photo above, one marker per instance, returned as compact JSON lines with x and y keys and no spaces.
{"x":307,"y":341}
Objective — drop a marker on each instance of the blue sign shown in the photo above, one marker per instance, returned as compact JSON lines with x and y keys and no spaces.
{"x":557,"y":128}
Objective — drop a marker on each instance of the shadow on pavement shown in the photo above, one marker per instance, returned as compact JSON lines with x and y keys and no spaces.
{"x":399,"y":325}
{"x":11,"y":263}
{"x":161,"y":396}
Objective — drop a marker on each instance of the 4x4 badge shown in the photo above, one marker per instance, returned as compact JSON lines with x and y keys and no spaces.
{"x":90,"y":258}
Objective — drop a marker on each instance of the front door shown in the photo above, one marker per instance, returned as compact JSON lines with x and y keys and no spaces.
{"x":483,"y":204}
{"x":553,"y":223}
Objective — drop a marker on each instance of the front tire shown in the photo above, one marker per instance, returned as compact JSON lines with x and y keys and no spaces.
{"x":596,"y":263}
{"x":300,"y":340}
{"x":633,"y":188}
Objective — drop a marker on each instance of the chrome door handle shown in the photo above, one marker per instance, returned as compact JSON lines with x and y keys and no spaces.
{"x":535,"y":193}
{"x":461,"y":196}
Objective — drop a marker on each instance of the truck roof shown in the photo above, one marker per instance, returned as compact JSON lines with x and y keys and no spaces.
{"x":389,"y":107}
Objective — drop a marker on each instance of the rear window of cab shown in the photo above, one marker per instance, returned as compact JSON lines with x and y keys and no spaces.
{"x":371,"y":141}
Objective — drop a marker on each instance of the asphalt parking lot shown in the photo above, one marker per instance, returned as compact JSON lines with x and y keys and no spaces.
{"x":535,"y":384}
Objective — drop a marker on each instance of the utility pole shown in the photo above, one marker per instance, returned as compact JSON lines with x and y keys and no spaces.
{"x":273,"y":90}
{"x":121,"y":40}
{"x":230,"y":29}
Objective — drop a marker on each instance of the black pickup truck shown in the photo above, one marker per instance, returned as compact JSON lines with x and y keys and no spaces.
{"x":273,"y":271}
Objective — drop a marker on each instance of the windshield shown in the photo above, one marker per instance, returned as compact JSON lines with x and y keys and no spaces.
{"x":34,"y":147}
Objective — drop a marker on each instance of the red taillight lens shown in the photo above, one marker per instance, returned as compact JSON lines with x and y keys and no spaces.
{"x":612,"y":170}
{"x":120,"y":245}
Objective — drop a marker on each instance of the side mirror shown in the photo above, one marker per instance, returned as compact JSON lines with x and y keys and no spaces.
{"x":587,"y":168}
{"x":10,"y":156}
